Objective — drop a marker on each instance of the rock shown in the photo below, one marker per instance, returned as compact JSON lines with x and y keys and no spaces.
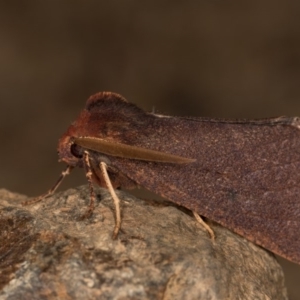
{"x":48,"y":252}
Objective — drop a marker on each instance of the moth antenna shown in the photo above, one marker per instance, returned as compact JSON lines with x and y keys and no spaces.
{"x":89,"y":175}
{"x":116,"y":199}
{"x":63,"y":174}
{"x":206,"y":226}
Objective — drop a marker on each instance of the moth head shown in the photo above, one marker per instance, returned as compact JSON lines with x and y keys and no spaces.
{"x":69,"y":152}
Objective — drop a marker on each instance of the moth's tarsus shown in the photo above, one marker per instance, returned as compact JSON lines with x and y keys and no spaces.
{"x":113,"y":194}
{"x":89,"y":176}
{"x":63,"y":174}
{"x":205,"y":225}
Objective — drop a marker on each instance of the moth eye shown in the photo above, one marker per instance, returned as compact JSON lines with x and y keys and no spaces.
{"x":76,"y":150}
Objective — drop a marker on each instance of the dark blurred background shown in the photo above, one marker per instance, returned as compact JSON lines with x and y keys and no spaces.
{"x":233,"y":59}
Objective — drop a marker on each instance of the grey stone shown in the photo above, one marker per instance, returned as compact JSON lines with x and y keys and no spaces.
{"x":48,"y":252}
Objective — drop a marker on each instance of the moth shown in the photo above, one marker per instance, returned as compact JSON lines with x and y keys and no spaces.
{"x":242,"y":174}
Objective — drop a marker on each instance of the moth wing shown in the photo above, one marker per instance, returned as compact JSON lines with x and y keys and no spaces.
{"x":273,"y":224}
{"x":245,"y":175}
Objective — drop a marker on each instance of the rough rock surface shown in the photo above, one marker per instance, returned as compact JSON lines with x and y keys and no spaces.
{"x":48,"y":252}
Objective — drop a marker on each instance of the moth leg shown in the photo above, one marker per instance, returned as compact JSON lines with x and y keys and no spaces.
{"x":103,"y":167}
{"x":207,"y":227}
{"x":63,"y":174}
{"x":89,"y":175}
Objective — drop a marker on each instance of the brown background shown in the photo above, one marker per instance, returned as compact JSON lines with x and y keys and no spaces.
{"x":211,"y":58}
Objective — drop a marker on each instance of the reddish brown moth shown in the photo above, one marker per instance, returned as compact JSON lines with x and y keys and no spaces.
{"x":243,"y":174}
